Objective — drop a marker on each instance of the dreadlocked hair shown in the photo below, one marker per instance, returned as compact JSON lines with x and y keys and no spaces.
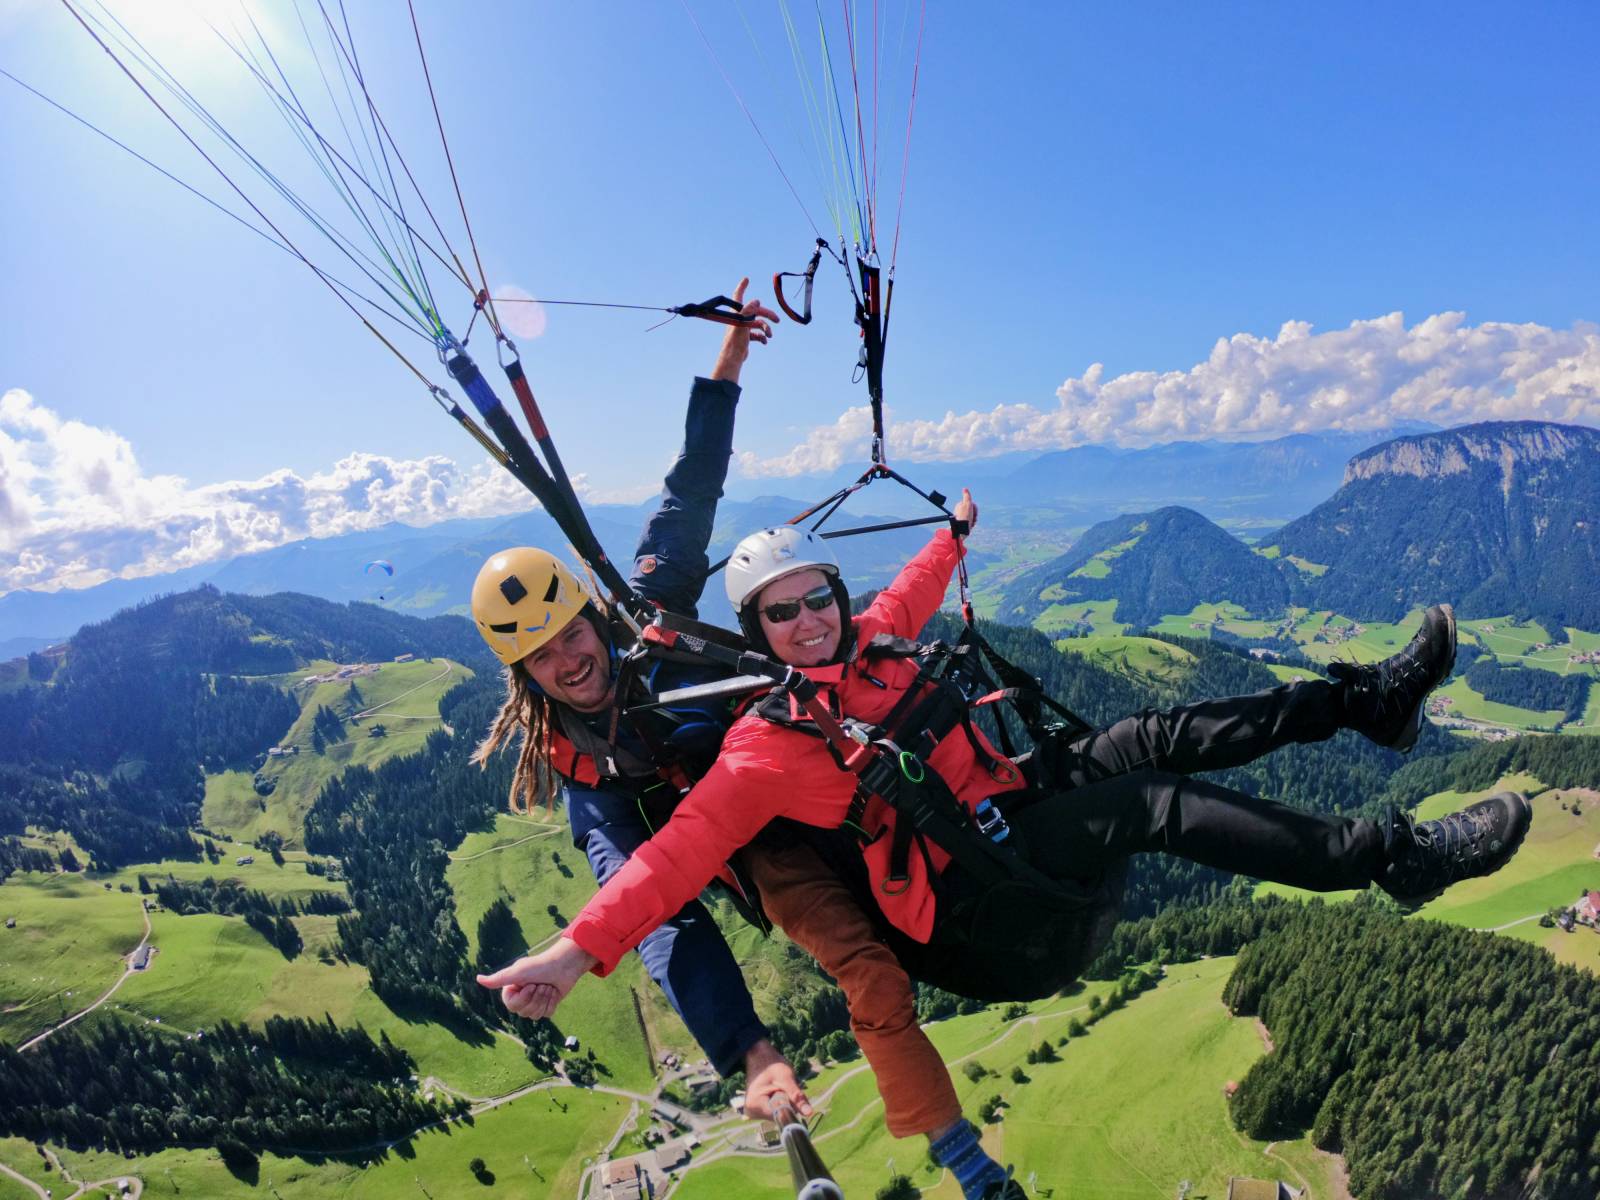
{"x":528,"y":711}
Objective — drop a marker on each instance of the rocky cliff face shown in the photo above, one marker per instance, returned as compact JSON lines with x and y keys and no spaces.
{"x":1506,"y":444}
{"x":1500,"y":517}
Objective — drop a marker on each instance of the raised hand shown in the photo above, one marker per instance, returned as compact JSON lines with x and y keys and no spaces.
{"x":966,"y":510}
{"x":736,"y":342}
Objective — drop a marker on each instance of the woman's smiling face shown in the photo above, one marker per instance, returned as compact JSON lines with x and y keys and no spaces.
{"x":811,"y":638}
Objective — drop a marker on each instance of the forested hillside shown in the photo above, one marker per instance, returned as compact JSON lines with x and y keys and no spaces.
{"x":294,"y":1086}
{"x":1437,"y":1060}
{"x":109,"y":740}
{"x":1151,"y":564}
{"x":1500,"y":517}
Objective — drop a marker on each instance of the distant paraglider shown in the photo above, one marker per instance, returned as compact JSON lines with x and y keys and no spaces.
{"x":379,"y":564}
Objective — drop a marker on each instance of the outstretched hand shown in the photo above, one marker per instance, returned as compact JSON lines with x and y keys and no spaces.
{"x":736,"y":342}
{"x":966,"y":510}
{"x":535,"y":985}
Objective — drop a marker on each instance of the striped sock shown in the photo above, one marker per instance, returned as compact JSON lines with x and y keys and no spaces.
{"x":960,"y":1152}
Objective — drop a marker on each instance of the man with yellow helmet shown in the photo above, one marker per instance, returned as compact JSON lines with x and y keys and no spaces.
{"x":621,"y":776}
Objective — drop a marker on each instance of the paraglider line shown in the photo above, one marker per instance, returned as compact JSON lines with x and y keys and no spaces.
{"x":905,"y":158}
{"x":372,"y":111}
{"x":750,"y":117}
{"x":292,"y":109}
{"x":297,"y":109}
{"x":199,"y":195}
{"x":459,"y":271}
{"x":289,"y":245}
{"x":134,"y":48}
{"x":422,"y":56}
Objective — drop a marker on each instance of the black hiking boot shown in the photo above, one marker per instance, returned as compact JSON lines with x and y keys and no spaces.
{"x":1425,"y":857}
{"x":1384,"y":701}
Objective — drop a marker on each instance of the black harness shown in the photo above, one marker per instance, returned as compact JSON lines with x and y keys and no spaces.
{"x":950,"y":685}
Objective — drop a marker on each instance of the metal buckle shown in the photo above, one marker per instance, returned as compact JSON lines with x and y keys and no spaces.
{"x":991,"y":821}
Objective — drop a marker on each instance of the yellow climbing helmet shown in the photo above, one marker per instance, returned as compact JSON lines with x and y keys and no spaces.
{"x":522,"y":598}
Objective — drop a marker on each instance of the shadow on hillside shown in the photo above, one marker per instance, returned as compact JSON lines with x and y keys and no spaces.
{"x":462,"y":1029}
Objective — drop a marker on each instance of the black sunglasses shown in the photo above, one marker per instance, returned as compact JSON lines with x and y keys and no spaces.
{"x":818,"y":599}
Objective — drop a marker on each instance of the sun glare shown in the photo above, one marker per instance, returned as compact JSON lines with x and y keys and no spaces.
{"x":184,"y":33}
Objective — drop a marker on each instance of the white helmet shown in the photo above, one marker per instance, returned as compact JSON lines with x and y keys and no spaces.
{"x":771,"y":554}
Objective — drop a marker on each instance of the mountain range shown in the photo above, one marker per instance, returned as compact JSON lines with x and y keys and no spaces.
{"x":1256,"y":484}
{"x":1499,"y":518}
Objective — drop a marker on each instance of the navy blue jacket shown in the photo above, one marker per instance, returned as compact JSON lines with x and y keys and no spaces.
{"x":687,"y":956}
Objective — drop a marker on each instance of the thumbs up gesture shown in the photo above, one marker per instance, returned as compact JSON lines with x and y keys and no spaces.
{"x":536,"y":984}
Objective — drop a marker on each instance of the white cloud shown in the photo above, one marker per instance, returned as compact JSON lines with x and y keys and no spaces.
{"x":76,"y":508}
{"x":1367,"y":376}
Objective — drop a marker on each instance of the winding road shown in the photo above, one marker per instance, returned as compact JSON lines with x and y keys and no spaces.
{"x":135,"y":1184}
{"x":128,"y":970}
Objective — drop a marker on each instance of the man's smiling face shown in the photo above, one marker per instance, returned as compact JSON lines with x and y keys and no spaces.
{"x":574,"y":667}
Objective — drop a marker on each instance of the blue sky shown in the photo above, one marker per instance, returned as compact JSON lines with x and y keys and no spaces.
{"x":1117,"y":185}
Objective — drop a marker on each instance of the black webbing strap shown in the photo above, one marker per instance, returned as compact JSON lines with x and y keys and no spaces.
{"x":1028,"y":694}
{"x":933,"y":812}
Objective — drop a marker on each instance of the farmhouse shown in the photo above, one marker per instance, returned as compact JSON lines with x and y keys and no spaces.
{"x":624,"y":1179}
{"x":244,"y":860}
{"x":702,"y":1084}
{"x":571,"y":1043}
{"x":141,"y":958}
{"x":673,"y":1154}
{"x":1587,"y":910}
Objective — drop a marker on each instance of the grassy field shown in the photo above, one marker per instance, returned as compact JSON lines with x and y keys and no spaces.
{"x":1011,"y":552}
{"x":67,"y":948}
{"x":1580,"y":948}
{"x":291,"y":880}
{"x":1464,"y":702}
{"x":209,"y":968}
{"x":73,"y":933}
{"x":1325,"y":636}
{"x":1589,"y":723}
{"x":1099,"y":565}
{"x":20,"y":1155}
{"x":1290,"y":674}
{"x":1066,"y":614}
{"x":1139,"y":657}
{"x":1228,"y":616}
{"x":72,"y":936}
{"x":1556,"y":863}
{"x":532,"y":865}
{"x":402,"y":697}
{"x":1131,"y":1109}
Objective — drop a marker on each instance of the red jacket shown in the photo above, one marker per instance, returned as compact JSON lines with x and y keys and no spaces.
{"x":767,"y":771}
